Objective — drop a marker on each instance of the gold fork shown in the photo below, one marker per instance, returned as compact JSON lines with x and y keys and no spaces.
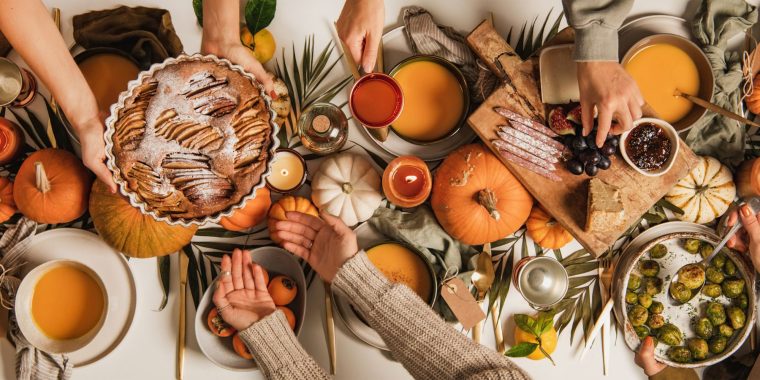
{"x":606,"y":268}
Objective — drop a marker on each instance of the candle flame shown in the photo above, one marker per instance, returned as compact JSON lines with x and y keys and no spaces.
{"x":410,"y":178}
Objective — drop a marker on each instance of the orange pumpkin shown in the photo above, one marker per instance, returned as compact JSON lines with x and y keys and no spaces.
{"x":130,"y":231}
{"x":289,"y":203}
{"x":253,"y":213}
{"x":476,"y":199}
{"x":545,"y":230}
{"x":7,"y":205}
{"x":52,"y":186}
{"x":753,"y":100}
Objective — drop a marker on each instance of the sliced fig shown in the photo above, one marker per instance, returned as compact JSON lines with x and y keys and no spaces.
{"x":558,"y":122}
{"x":575,"y":115}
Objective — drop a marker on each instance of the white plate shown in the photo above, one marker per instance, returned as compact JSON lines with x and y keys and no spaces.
{"x":633,"y":31}
{"x":396,"y":49}
{"x":110,"y":265}
{"x":219,"y":350}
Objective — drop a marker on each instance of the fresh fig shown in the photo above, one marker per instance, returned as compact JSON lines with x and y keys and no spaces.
{"x":575,"y":115}
{"x":558,"y":122}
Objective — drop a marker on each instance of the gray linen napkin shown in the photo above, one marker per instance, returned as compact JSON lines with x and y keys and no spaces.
{"x":420,"y":230}
{"x":715,"y":23}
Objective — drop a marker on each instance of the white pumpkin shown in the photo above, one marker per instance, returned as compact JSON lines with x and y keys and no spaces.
{"x":346,"y":185}
{"x":706,"y":193}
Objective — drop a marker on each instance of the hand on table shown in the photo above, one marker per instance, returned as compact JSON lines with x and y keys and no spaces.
{"x":324,"y":243}
{"x":608,"y":87}
{"x":645,"y":358}
{"x":360,"y":26}
{"x":90,"y":135}
{"x":748,"y":237}
{"x":241,"y":295}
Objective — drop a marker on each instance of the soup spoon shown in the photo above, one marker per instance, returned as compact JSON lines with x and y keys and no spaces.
{"x":754,"y":205}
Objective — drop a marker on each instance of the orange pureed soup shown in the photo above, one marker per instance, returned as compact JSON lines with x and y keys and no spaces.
{"x":67,"y":303}
{"x":108,"y":75}
{"x":433,"y":101}
{"x":660,"y":70}
{"x":403,"y":266}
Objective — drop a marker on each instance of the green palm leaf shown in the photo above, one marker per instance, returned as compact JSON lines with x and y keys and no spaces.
{"x":528,"y":42}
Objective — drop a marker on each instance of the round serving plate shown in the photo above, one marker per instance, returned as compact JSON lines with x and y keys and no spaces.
{"x":681,"y":316}
{"x":663,"y":229}
{"x":219,"y":350}
{"x":635,"y":30}
{"x":395,"y":50}
{"x":110,"y":265}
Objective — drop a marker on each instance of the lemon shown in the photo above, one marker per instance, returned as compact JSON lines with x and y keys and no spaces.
{"x":262,"y":43}
{"x":548,"y":341}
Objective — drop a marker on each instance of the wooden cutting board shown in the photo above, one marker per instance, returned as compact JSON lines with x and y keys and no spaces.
{"x":564,"y":200}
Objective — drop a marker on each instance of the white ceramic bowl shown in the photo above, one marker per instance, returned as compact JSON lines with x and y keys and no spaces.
{"x":219,"y":350}
{"x":674,"y":140}
{"x":28,"y":326}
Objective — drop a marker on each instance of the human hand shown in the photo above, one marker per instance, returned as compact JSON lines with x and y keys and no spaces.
{"x":241,"y":295}
{"x":94,"y":152}
{"x":748,"y":237}
{"x":608,"y":87}
{"x":324,"y":243}
{"x":241,"y":55}
{"x":360,"y":26}
{"x":645,"y":358}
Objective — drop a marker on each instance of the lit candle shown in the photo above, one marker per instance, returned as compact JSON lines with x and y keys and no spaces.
{"x":287,"y":172}
{"x":406,"y":181}
{"x":11,"y":139}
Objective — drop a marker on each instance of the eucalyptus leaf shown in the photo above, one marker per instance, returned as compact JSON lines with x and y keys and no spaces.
{"x":259,"y":14}
{"x":521,"y":350}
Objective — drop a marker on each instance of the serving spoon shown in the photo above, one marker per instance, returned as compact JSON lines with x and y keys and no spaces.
{"x":754,"y":205}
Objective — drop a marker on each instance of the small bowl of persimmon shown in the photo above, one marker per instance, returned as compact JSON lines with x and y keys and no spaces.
{"x":287,"y":286}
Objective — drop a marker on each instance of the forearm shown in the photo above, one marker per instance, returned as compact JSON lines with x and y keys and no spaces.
{"x":277,"y":351}
{"x":596,"y":24}
{"x":426,"y":345}
{"x":221,"y":23}
{"x":33,"y":34}
{"x":670,"y":373}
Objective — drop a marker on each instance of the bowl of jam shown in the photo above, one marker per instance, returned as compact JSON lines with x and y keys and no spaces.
{"x":650,"y":147}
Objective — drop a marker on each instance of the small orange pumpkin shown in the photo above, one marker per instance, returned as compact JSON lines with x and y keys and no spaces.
{"x":289,"y":203}
{"x":545,"y":230}
{"x":753,"y":100}
{"x":253,"y":213}
{"x":52,"y":186}
{"x":475,"y":197}
{"x":7,"y":205}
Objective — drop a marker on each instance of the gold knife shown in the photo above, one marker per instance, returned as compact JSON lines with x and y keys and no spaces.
{"x":183,"y":262}
{"x":330,"y":327}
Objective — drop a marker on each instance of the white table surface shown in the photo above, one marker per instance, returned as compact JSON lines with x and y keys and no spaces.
{"x":148,"y":350}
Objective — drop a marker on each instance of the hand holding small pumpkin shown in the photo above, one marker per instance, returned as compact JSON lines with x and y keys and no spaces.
{"x":241,"y":294}
{"x":748,"y":238}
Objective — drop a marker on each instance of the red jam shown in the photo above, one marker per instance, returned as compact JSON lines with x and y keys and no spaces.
{"x":648,"y":146}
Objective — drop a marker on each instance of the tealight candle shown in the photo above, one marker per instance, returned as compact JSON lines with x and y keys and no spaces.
{"x":407,"y":181}
{"x":11,"y":139}
{"x":287,"y":172}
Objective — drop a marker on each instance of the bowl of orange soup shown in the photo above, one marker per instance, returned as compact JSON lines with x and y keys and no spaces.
{"x":405,"y":265}
{"x":662,"y":64}
{"x":60,"y":306}
{"x":436,"y":99}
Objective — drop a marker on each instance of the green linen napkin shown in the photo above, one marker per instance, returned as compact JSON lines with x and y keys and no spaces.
{"x":715,"y":23}
{"x":420,"y":230}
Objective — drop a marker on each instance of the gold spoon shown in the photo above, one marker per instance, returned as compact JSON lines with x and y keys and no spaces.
{"x":482,"y":279}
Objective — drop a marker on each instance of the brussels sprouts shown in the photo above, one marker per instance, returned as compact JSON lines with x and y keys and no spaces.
{"x":679,"y":354}
{"x":692,"y":275}
{"x":631,"y":298}
{"x":649,"y":268}
{"x":670,"y":335}
{"x":652,"y":285}
{"x":655,"y":321}
{"x":641,"y":331}
{"x":656,"y":307}
{"x":730,"y":268}
{"x":714,"y":275}
{"x":725,"y":330}
{"x":698,"y":348}
{"x":706,"y":250}
{"x":692,"y":245}
{"x":733,"y":288}
{"x":716,"y":313}
{"x":634,"y":282}
{"x":680,"y":292}
{"x":719,"y":260}
{"x":741,"y":301}
{"x":638,"y":315}
{"x":712,"y":290}
{"x":658,"y":251}
{"x":645,"y":300}
{"x":736,"y":317}
{"x":718,"y":344}
{"x":703,"y":328}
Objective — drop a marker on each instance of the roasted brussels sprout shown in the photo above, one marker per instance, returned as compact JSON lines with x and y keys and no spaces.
{"x":638,"y":315}
{"x":692,"y":245}
{"x":651,"y":285}
{"x":670,"y":335}
{"x":725,"y":330}
{"x":634,"y":282}
{"x":692,"y":275}
{"x":645,"y":300}
{"x":719,"y":260}
{"x":706,"y":249}
{"x":736,"y":317}
{"x":716,"y":313}
{"x":712,"y":290}
{"x":703,"y":328}
{"x":733,"y":287}
{"x":649,"y":268}
{"x":730,"y":268}
{"x":741,"y":301}
{"x":658,"y":251}
{"x":641,"y":331}
{"x":656,"y":307}
{"x":698,"y":348}
{"x":631,"y":298}
{"x":655,"y":321}
{"x":680,"y":292}
{"x":679,"y":354}
{"x":713,"y":274}
{"x":718,"y":344}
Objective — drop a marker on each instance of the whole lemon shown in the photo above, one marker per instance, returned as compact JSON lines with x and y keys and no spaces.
{"x":548,"y":341}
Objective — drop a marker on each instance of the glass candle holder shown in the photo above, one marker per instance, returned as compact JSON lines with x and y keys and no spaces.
{"x":287,"y":171}
{"x":407,"y":181}
{"x":11,"y":139}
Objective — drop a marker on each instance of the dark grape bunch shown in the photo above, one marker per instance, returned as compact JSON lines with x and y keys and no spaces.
{"x":586,"y":156}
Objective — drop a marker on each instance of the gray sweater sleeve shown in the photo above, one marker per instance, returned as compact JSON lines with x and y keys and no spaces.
{"x":596,"y":24}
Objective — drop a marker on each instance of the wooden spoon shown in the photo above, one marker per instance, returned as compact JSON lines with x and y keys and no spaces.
{"x":715,"y":108}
